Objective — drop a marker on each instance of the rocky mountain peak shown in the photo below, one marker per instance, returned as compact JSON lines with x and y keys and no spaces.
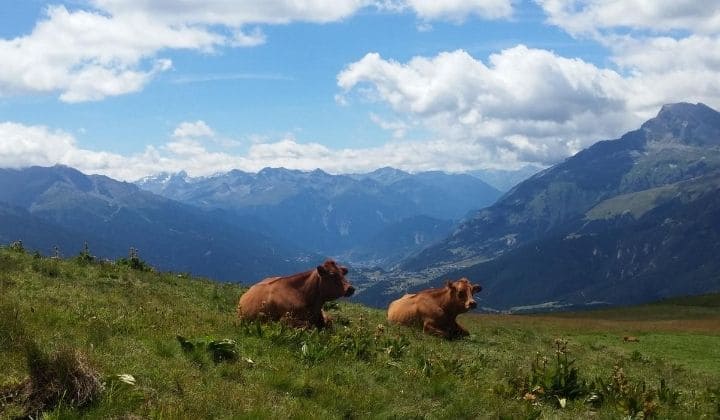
{"x":684,"y":123}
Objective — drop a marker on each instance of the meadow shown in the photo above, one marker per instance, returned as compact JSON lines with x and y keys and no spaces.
{"x":167,"y":345}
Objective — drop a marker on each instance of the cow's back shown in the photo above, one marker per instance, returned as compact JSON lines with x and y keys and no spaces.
{"x":258,"y":299}
{"x":404,"y":310}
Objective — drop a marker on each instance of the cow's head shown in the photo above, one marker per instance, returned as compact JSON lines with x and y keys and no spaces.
{"x":461,"y":294}
{"x":333,"y":283}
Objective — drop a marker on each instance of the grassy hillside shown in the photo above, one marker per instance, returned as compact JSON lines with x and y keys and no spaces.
{"x":126,"y":321}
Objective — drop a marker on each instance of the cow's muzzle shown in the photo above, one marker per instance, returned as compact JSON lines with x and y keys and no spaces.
{"x":349,"y":292}
{"x":472,"y":305}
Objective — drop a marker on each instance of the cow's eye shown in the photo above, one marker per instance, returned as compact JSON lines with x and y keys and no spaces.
{"x":463,"y":294}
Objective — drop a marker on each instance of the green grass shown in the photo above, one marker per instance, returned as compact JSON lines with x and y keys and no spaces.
{"x":126,"y":322}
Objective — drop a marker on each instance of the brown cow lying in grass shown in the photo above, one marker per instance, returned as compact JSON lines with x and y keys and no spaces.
{"x":297,"y":299}
{"x":436,"y":309}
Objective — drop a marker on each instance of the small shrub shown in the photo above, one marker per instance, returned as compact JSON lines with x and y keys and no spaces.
{"x":632,"y":398}
{"x":84,"y":257}
{"x":556,"y":383}
{"x":134,"y":262}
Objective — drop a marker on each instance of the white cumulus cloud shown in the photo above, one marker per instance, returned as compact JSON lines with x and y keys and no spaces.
{"x":112,"y":46}
{"x":669,"y":50}
{"x":459,"y":10}
{"x":25,"y":145}
{"x":236,"y":13}
{"x":87,"y":55}
{"x":538,"y":106}
{"x":193,"y":129}
{"x":590,"y":16}
{"x":525,"y":102}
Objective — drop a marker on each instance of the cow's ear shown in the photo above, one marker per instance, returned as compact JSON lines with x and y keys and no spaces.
{"x":476,"y":288}
{"x":451,"y":286}
{"x":344,"y":270}
{"x":321,"y":270}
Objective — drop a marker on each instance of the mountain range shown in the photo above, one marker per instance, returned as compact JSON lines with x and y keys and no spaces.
{"x":60,"y":206}
{"x":284,"y":221}
{"x":352,"y":217}
{"x":623,"y":221}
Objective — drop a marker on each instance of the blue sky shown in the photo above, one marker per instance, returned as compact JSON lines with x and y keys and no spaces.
{"x":128,"y":88}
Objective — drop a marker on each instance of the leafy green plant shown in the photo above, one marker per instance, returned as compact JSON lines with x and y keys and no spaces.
{"x":632,"y":398}
{"x":358,"y":343}
{"x":313,"y":352}
{"x":224,"y":350}
{"x":395,"y":347}
{"x":84,"y":257}
{"x":555,"y":382}
{"x":134,"y":262}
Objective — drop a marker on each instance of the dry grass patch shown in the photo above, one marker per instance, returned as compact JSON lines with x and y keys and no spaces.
{"x":62,"y":377}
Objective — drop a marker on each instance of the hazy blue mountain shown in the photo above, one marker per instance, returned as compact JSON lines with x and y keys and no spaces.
{"x":505,"y":179}
{"x":60,"y":205}
{"x":333,"y":214}
{"x":384,"y":176}
{"x":399,"y":240}
{"x":38,"y":234}
{"x":626,"y":220}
